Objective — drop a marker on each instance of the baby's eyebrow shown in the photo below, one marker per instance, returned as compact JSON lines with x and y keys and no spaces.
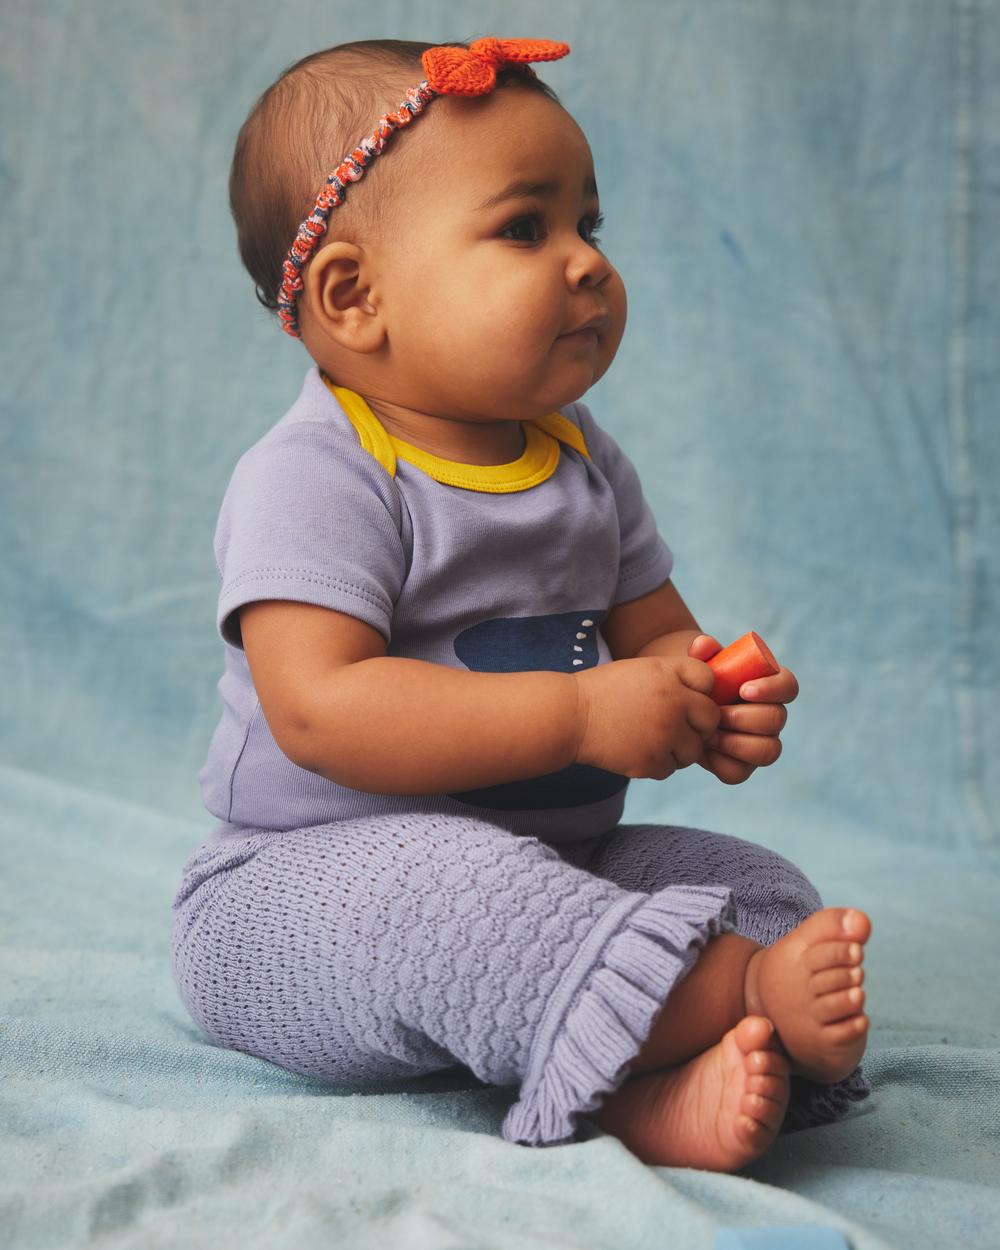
{"x":524,"y":187}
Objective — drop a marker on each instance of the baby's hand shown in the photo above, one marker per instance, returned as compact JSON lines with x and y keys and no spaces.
{"x":747,"y":737}
{"x":645,"y":717}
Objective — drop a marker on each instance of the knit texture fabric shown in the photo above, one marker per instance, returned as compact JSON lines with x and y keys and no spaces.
{"x":371,"y":950}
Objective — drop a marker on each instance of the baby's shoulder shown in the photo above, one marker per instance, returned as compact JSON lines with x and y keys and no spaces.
{"x":303,"y":450}
{"x":310,"y":469}
{"x":314,"y":443}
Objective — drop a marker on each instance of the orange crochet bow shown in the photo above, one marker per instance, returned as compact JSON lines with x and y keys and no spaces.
{"x":473,"y":70}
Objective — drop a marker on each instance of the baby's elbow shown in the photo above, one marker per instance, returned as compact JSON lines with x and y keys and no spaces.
{"x":307,"y":737}
{"x":294,"y":735}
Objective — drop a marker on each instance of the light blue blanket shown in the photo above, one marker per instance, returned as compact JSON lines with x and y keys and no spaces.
{"x":804,"y":202}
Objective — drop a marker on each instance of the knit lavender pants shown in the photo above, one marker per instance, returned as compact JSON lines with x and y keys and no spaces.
{"x":377,"y":949}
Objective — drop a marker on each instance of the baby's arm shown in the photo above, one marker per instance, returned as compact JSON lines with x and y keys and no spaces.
{"x":658,"y":623}
{"x":339,"y":706}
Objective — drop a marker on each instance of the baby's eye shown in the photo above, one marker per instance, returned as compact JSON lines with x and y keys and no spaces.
{"x":532,"y":223}
{"x":594,"y":225}
{"x":589,"y":226}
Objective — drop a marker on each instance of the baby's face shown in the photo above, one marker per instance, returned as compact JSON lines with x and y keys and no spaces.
{"x":478,"y":298}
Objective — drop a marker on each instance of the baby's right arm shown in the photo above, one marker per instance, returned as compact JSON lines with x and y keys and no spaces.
{"x":339,"y":706}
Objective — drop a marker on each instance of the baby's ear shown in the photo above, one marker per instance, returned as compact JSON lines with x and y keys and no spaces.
{"x":335,"y":298}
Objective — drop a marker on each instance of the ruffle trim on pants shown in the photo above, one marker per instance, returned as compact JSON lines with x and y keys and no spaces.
{"x":601,"y":1012}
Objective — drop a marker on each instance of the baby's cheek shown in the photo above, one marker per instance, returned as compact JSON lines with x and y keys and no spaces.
{"x":617,"y":306}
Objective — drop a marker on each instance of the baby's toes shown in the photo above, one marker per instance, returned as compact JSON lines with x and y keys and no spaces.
{"x":753,"y":1135}
{"x":829,"y":1008}
{"x":770,"y":1062}
{"x":766,"y":1091}
{"x":856,"y":925}
{"x":839,"y":978}
{"x":766,"y":1112}
{"x":845,"y":1033}
{"x":773,"y":1087}
{"x":825,"y":955}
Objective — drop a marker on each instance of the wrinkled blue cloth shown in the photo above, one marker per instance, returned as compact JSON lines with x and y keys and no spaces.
{"x":803,"y":202}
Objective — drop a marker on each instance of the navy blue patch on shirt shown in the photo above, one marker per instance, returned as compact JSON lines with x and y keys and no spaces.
{"x":563,"y":642}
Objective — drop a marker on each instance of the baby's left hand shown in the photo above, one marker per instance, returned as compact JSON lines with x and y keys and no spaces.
{"x":747,"y":737}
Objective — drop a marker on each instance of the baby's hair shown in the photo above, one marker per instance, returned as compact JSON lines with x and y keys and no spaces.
{"x":300,"y":129}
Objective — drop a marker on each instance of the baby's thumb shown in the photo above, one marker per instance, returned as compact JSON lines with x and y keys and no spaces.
{"x":704,"y":647}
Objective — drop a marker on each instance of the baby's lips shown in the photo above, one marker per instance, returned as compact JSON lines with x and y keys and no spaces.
{"x":600,"y":322}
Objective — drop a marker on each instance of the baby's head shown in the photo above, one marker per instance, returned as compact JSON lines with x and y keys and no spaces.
{"x":420,"y":290}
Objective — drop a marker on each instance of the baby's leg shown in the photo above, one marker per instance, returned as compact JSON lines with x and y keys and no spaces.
{"x":718,"y":1111}
{"x":772,"y":898}
{"x":378,"y":949}
{"x":725,"y":1105}
{"x":806,"y":984}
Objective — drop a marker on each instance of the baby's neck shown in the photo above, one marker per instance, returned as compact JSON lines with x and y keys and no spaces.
{"x":483,"y":442}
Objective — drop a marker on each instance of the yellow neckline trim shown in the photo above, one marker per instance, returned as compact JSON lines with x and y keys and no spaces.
{"x":537,"y":462}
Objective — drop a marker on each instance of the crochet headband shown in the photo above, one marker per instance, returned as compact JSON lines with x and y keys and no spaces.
{"x":450,"y":70}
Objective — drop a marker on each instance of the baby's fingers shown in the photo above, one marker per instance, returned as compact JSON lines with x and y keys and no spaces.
{"x":782,"y":687}
{"x":696,"y":675}
{"x":751,"y":718}
{"x":748,"y":748}
{"x":703,"y":714}
{"x":729,"y":771}
{"x":704,"y":647}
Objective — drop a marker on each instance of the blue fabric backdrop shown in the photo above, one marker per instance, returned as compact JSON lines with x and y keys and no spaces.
{"x":804,"y":201}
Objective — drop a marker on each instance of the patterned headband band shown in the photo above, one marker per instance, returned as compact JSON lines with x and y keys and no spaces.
{"x":450,"y":70}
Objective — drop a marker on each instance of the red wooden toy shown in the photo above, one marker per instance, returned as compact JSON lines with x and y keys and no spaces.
{"x":741,"y":661}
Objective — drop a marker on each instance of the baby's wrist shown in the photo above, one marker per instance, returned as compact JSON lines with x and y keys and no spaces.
{"x":673,"y":644}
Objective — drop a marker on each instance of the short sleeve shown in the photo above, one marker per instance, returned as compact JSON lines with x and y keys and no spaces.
{"x":645,"y":561}
{"x":311,"y":517}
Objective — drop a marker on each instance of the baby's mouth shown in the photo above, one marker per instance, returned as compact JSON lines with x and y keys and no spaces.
{"x":581,"y":338}
{"x":587,"y":332}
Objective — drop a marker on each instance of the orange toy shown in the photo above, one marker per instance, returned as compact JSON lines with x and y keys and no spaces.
{"x":741,"y":661}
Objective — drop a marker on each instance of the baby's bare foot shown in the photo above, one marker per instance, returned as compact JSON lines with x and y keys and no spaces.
{"x":717,"y":1111}
{"x":809,"y":984}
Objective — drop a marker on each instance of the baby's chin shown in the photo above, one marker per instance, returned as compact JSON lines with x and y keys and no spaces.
{"x":587,"y":378}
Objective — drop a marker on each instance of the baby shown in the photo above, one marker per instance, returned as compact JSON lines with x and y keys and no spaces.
{"x":452,"y":639}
